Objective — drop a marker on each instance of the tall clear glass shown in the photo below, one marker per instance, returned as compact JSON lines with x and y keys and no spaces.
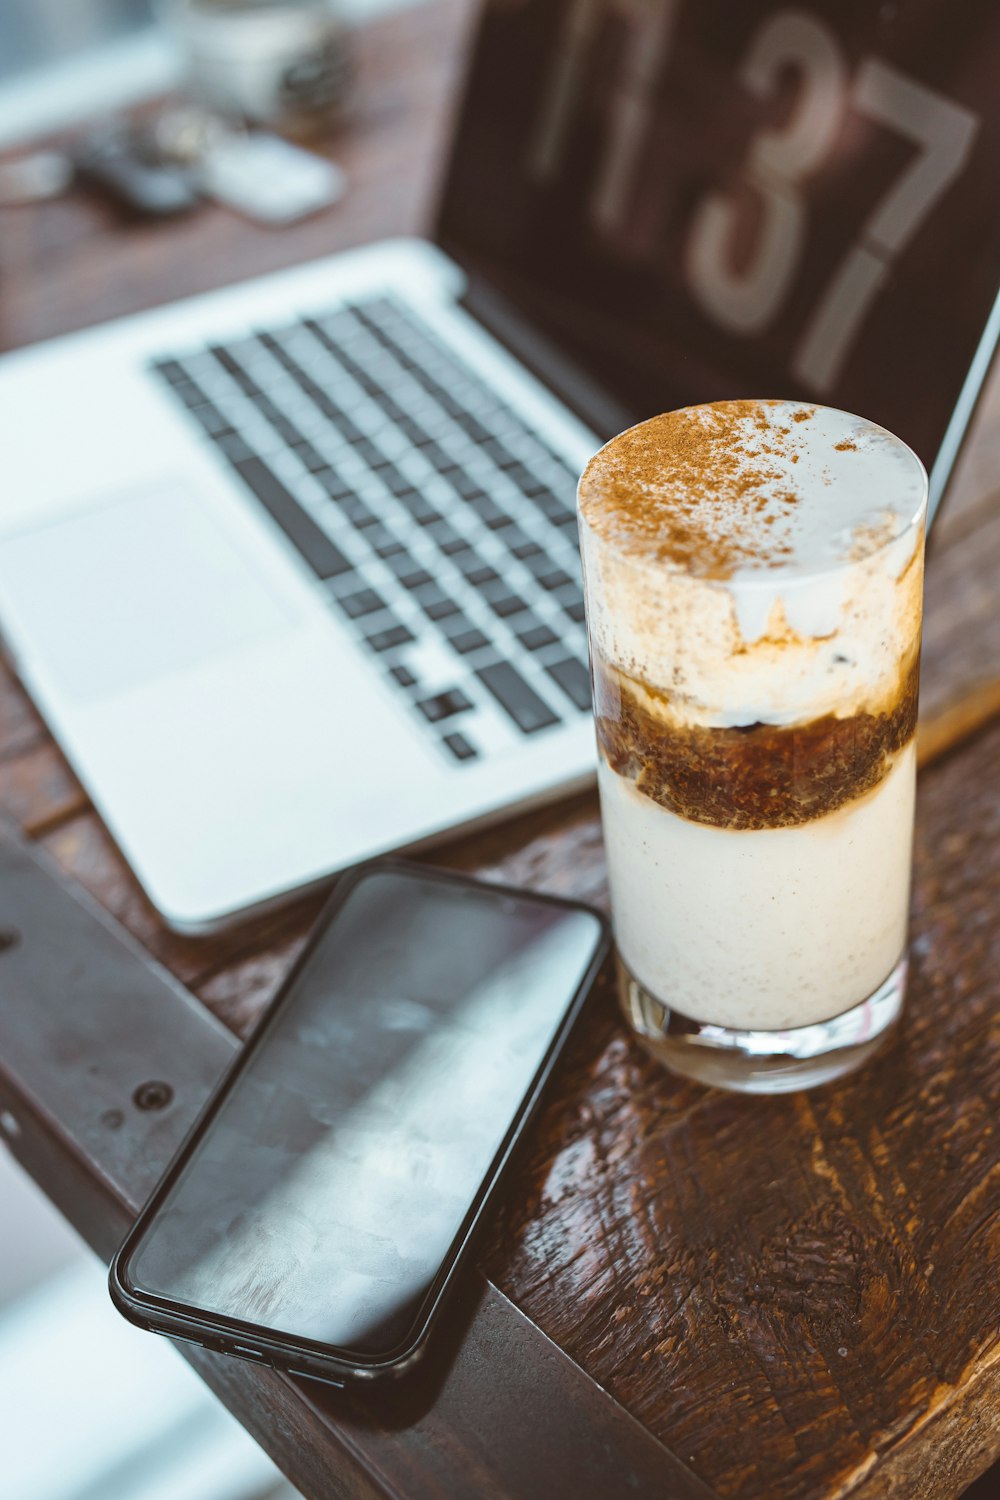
{"x":754,"y":575}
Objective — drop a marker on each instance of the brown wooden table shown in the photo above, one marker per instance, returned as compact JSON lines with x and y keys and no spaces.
{"x":685,"y":1293}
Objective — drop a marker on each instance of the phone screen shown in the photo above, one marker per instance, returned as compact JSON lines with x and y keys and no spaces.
{"x":323,"y":1197}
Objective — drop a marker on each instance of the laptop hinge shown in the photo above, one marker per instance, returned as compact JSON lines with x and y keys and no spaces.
{"x":584,"y":397}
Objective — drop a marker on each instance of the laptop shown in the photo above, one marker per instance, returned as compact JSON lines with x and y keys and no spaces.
{"x":291,"y":569}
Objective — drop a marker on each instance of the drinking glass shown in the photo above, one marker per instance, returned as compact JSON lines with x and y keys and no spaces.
{"x":753,"y":576}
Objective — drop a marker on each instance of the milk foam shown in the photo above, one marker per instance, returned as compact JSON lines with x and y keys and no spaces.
{"x":824,"y":606}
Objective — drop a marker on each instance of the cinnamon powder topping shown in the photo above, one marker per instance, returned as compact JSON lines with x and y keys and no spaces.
{"x":712,"y":489}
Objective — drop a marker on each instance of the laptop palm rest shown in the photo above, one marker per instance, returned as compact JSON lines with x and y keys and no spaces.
{"x":96,"y":592}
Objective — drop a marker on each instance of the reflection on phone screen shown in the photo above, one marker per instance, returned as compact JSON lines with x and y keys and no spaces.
{"x":324,"y":1197}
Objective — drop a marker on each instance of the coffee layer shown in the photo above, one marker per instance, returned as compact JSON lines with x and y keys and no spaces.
{"x":752,"y":777}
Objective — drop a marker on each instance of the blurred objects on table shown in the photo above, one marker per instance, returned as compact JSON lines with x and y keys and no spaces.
{"x":166,"y":163}
{"x":281,"y":64}
{"x":66,"y":61}
{"x":254,"y":172}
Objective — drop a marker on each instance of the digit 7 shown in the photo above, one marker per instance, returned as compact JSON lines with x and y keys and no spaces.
{"x":780,"y":158}
{"x":945,"y":131}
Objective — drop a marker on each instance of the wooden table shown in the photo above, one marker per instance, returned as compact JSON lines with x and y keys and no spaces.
{"x":685,"y":1293}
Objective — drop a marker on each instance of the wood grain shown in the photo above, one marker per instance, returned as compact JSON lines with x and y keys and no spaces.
{"x":495,"y":1409}
{"x":797,"y":1296}
{"x":795,"y":1292}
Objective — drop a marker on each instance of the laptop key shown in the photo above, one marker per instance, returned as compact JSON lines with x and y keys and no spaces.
{"x":472,"y":427}
{"x":514,"y":537}
{"x":395,"y":481}
{"x":286,"y":430}
{"x":323,"y":556}
{"x":335,"y":484}
{"x":437,"y":455}
{"x":553,"y":578}
{"x":444,"y":705}
{"x":436,"y":604}
{"x":446,"y":536}
{"x":490,"y":514}
{"x":504,"y":604}
{"x":308,"y":455}
{"x":467,"y":485}
{"x":369,"y":453}
{"x":413,"y":431}
{"x":477,"y":572}
{"x":460,"y":747}
{"x":234,"y":447}
{"x":356,"y":511}
{"x":426,"y":515}
{"x":392,"y":408}
{"x":460,"y":553}
{"x":414,"y":577}
{"x":537,"y":636}
{"x":188,"y":392}
{"x":576,"y":611}
{"x":419,"y":508}
{"x":384,"y":640}
{"x":349,"y":431}
{"x":529,"y":712}
{"x":554,"y":507}
{"x":363,"y":602}
{"x":235,"y":370}
{"x":172,"y":371}
{"x":403,"y":676}
{"x":467,"y":640}
{"x":501,"y":455}
{"x":211,"y":419}
{"x":574,"y":679}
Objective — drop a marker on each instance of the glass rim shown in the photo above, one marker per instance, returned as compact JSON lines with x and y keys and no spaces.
{"x":767,"y":575}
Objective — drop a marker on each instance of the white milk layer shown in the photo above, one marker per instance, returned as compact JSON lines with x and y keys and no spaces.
{"x":761,"y":930}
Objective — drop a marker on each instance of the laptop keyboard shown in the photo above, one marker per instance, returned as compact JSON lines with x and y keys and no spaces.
{"x":439,"y":524}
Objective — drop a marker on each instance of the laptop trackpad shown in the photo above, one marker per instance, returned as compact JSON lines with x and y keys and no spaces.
{"x":141,"y":586}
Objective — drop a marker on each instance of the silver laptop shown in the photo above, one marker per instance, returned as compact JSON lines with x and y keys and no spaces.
{"x":291,"y":569}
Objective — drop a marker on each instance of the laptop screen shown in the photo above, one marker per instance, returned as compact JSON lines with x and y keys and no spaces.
{"x":705,"y":199}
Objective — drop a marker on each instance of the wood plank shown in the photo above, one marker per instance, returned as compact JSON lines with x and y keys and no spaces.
{"x":496,"y":1411}
{"x":957,"y":723}
{"x":37,"y":788}
{"x":77,"y":262}
{"x":705,"y":1260}
{"x":798,"y":1294}
{"x":695,"y":1279}
{"x":20,"y":723}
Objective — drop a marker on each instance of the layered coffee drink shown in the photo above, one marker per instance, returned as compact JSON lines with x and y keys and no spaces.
{"x":754,"y":581}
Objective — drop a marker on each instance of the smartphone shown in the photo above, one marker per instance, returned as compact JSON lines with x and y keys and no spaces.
{"x":322,"y":1204}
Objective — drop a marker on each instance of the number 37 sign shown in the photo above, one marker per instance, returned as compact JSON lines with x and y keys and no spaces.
{"x":781,"y":197}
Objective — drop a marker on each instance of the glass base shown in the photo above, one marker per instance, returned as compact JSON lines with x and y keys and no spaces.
{"x":763,"y":1062}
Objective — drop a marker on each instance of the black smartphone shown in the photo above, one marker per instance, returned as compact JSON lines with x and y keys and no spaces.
{"x":318,"y":1210}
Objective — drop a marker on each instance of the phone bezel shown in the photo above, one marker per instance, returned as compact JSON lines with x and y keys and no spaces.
{"x":303,"y":1356}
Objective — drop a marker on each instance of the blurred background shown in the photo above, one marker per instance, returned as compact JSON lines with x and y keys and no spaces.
{"x":63,"y":60}
{"x":93,"y":1409}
